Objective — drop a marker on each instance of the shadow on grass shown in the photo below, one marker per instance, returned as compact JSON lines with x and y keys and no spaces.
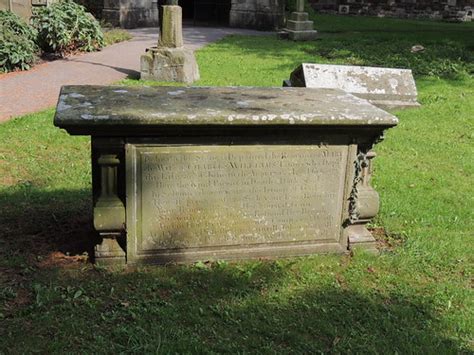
{"x":37,"y":222}
{"x":254,"y":307}
{"x":258,"y":307}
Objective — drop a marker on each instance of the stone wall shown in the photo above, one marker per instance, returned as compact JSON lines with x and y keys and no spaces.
{"x":457,"y":10}
{"x":130,"y":13}
{"x":258,"y":14}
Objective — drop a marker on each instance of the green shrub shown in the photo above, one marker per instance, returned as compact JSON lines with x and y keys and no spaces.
{"x":17,"y":47}
{"x":65,"y":27}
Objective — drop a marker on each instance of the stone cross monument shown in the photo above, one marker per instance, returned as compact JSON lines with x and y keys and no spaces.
{"x":299,"y":27}
{"x":169,"y":60}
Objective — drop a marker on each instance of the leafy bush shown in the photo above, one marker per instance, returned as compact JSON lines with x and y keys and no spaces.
{"x":17,"y":47}
{"x":65,"y":27}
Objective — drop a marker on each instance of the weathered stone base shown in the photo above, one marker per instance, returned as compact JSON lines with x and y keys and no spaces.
{"x":169,"y":64}
{"x":109,"y":252}
{"x":302,"y":35}
{"x":299,"y":28}
{"x":361,"y":239}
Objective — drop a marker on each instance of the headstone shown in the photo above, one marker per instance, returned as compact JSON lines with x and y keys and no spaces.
{"x":169,"y":61}
{"x":383,"y":87}
{"x":186,"y":174}
{"x":299,"y":27}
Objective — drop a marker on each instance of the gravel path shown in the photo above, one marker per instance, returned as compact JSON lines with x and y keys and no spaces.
{"x":38,"y":89}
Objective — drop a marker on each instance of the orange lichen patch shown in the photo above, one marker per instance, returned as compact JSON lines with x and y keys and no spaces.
{"x":58,"y":259}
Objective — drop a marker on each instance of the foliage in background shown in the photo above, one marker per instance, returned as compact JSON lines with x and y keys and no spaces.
{"x":290,"y":6}
{"x":17,"y":43}
{"x":115,"y":35}
{"x":65,"y":27}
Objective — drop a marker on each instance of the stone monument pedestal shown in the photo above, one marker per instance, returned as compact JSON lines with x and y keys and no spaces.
{"x":299,"y":27}
{"x":170,"y":61}
{"x":169,"y":64}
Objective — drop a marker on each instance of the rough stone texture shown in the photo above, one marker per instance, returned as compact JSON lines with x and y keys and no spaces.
{"x":88,"y":108}
{"x":186,"y":174}
{"x":171,"y":34}
{"x":298,"y":26}
{"x":130,"y":13}
{"x":170,"y":61}
{"x":169,"y":64}
{"x":384,"y":87}
{"x":258,"y":14}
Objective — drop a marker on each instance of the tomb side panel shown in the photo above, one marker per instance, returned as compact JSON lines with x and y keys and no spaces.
{"x":233,"y":196}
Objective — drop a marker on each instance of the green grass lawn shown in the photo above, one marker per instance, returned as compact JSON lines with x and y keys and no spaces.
{"x":416,"y":297}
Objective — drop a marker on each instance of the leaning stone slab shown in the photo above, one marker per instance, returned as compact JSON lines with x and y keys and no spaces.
{"x":186,"y":174}
{"x":384,"y":87}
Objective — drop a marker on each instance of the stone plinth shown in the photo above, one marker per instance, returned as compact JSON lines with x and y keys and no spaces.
{"x":298,"y":26}
{"x":169,"y":64}
{"x":186,"y":174}
{"x":384,"y":87}
{"x":169,"y":61}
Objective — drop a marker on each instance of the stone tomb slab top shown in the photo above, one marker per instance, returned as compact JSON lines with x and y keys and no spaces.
{"x":384,"y":87}
{"x":84,"y":109}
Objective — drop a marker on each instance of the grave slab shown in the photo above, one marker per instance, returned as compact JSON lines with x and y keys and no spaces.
{"x":386,"y":88}
{"x":187,"y":174}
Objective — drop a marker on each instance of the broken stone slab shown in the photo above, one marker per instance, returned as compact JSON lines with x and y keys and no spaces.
{"x":184,"y":174}
{"x":386,"y":88}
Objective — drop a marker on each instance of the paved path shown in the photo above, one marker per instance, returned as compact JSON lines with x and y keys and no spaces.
{"x":37,"y":89}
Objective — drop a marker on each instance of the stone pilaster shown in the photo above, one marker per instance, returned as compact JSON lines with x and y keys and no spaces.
{"x":109,"y":210}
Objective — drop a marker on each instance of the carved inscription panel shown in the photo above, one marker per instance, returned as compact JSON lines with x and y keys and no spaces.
{"x":209,"y":196}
